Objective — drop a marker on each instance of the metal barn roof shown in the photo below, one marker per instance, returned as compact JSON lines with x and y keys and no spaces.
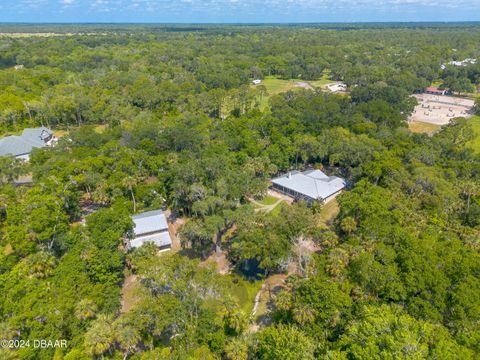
{"x":150,"y":222}
{"x":23,"y":144}
{"x":311,"y":183}
{"x":160,"y":239}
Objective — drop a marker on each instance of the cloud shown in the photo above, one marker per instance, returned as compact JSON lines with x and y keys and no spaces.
{"x":244,"y":10}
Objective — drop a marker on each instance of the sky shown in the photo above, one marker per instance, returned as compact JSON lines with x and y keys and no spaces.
{"x":237,"y":11}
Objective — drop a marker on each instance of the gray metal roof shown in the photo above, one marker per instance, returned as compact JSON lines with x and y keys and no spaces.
{"x":39,"y":135}
{"x":150,"y":222}
{"x":311,"y":183}
{"x":160,"y":239}
{"x":22,"y":145}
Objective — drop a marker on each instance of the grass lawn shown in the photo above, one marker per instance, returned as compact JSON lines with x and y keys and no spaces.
{"x":273,"y":284}
{"x":275,"y":86}
{"x":475,"y":143}
{"x":268,"y":200}
{"x":100,"y":128}
{"x":130,"y":291}
{"x":245,"y":291}
{"x":421,"y":127}
{"x":60,"y":133}
{"x":328,"y":212}
{"x":325,"y":80}
{"x":276,"y":210}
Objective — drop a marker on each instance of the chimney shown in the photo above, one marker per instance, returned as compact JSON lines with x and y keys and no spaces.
{"x":289,"y":176}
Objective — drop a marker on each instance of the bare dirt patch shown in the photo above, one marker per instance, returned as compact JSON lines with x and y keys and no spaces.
{"x":440,"y":109}
{"x":304,"y":85}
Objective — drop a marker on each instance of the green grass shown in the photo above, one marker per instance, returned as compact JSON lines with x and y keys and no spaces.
{"x":268,"y":200}
{"x":475,"y":143}
{"x":276,"y":210}
{"x":325,"y":80}
{"x":245,"y":292}
{"x":329,"y":211}
{"x":275,"y":86}
{"x":421,"y":127}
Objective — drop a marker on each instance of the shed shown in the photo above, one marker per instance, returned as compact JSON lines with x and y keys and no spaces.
{"x":151,"y":226}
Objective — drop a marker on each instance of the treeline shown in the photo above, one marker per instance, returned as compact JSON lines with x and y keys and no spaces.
{"x":74,"y":80}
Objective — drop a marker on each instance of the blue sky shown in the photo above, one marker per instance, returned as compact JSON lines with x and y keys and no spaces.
{"x":241,"y":11}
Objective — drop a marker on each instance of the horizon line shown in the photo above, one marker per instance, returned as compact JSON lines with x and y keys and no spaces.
{"x":235,"y":23}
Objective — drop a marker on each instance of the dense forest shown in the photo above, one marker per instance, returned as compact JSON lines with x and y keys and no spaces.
{"x":166,"y":117}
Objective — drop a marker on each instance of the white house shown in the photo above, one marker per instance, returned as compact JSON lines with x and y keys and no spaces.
{"x":310,"y":185}
{"x":21,"y":146}
{"x":257,"y":82}
{"x":152,"y":227}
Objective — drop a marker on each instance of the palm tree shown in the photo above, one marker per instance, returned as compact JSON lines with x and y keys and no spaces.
{"x":237,"y":349}
{"x":303,"y":314}
{"x":469,"y":189}
{"x":127,"y":338}
{"x":337,"y":261}
{"x":85,"y":309}
{"x":3,"y":205}
{"x":348,"y":225}
{"x":283,"y":300}
{"x":40,"y":265}
{"x":236,"y":321}
{"x":99,"y":338}
{"x":129,"y":182}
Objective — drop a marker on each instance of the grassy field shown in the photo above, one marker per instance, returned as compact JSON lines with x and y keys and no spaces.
{"x":245,"y":291}
{"x":421,"y":127}
{"x":329,"y":212}
{"x":277,"y":86}
{"x":277,"y":209}
{"x":268,"y":200}
{"x":437,"y":83}
{"x":475,"y":143}
{"x":325,"y":80}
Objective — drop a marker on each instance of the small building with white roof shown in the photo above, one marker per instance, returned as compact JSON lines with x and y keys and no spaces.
{"x":151,"y":226}
{"x":310,"y":185}
{"x":337,"y":87}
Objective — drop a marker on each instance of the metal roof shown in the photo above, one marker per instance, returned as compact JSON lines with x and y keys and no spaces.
{"x":150,"y":222}
{"x":39,"y":135}
{"x":22,"y":145}
{"x":160,"y":239}
{"x":311,"y":183}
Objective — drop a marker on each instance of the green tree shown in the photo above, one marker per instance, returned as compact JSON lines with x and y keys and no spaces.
{"x":284,"y":343}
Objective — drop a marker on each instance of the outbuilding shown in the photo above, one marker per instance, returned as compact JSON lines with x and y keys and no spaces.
{"x":151,"y":226}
